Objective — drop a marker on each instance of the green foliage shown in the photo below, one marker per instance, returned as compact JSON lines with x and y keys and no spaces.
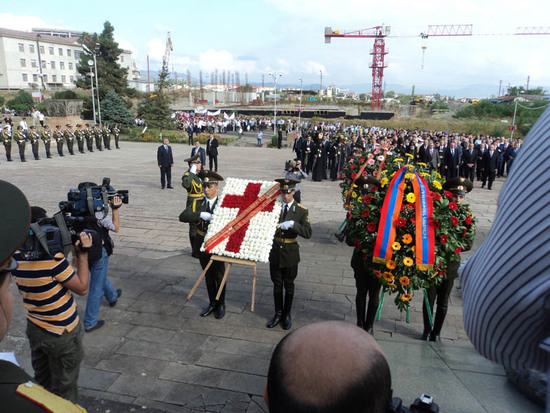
{"x":486,"y":109}
{"x":440,"y":106}
{"x":274,"y":141}
{"x":113,"y":110}
{"x":66,"y":94}
{"x":517,"y":90}
{"x":405,"y":99}
{"x":22,"y":101}
{"x":155,"y":108}
{"x":132,"y":92}
{"x":112,"y":75}
{"x":2,"y":100}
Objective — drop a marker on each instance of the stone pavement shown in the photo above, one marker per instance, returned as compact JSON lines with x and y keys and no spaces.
{"x":155,"y":351}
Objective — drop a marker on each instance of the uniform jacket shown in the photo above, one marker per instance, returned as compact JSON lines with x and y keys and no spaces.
{"x":46,"y":136}
{"x":283,"y":254}
{"x":193,"y":185}
{"x":164,"y":157}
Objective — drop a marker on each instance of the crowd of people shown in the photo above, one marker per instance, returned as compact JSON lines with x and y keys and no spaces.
{"x":82,"y":138}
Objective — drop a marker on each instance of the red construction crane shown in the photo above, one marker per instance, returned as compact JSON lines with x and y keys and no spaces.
{"x":379,"y":50}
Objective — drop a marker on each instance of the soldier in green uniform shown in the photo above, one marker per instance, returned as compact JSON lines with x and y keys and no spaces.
{"x":6,"y":140}
{"x":70,"y":138}
{"x":193,"y":185}
{"x":18,"y":391}
{"x":34,"y":137}
{"x":285,"y":253}
{"x":59,"y":139}
{"x":46,"y":136}
{"x":115,"y":130}
{"x":200,"y":213}
{"x":97,"y":134}
{"x":21,"y":140}
{"x":89,"y":135}
{"x":79,"y":134}
{"x":106,"y":132}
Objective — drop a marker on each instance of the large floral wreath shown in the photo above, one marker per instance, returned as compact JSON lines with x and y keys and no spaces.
{"x":453,"y":224}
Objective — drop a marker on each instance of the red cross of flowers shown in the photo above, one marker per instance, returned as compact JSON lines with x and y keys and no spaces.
{"x":242,"y":202}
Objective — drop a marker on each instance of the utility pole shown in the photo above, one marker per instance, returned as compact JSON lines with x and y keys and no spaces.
{"x":320,"y":83}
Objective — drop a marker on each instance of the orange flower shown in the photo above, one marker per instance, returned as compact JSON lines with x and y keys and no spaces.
{"x":388,"y":276}
{"x":407,"y":239}
{"x":408,"y":261}
{"x":377,"y":273}
{"x":404,"y":281}
{"x":391,"y":264}
{"x":406,"y":297}
{"x":393,"y":286}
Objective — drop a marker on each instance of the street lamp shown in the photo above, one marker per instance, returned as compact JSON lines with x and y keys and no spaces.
{"x":515,"y":110}
{"x":300,"y":112}
{"x":87,"y":50}
{"x":91,"y":74}
{"x":275,"y":76}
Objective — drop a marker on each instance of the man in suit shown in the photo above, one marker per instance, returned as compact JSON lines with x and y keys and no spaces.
{"x":297,"y":147}
{"x":423,"y":152}
{"x":469,"y":160}
{"x":212,"y":153}
{"x":165,"y":161}
{"x":479,"y":164}
{"x":431,"y":157}
{"x":199,"y":150}
{"x":200,"y":213}
{"x":490,"y":159}
{"x":285,"y":253}
{"x":453,"y":159}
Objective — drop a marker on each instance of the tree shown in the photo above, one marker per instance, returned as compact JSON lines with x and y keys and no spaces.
{"x":155,"y":108}
{"x":113,"y":110}
{"x":109,"y":72}
{"x":21,"y":102}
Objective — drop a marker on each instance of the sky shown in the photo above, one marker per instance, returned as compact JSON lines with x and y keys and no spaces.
{"x":286,"y":37}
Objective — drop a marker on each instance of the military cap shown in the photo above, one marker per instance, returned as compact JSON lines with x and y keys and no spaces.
{"x":193,"y":159}
{"x":58,"y":127}
{"x":210,"y":177}
{"x":87,"y":124}
{"x":46,"y":127}
{"x":458,"y":185}
{"x":69,"y":125}
{"x":32,"y":127}
{"x":6,"y":126}
{"x":78,"y":125}
{"x":15,"y":217}
{"x":287,"y":185}
{"x":367,"y":182}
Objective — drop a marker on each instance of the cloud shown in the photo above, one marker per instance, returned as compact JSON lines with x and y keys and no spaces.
{"x":25,"y":23}
{"x":313,"y":68}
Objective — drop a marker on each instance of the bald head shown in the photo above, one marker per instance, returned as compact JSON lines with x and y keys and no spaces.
{"x":328,"y":367}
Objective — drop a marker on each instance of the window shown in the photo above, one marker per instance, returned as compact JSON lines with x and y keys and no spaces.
{"x":31,"y":48}
{"x":25,"y":77}
{"x":63,"y":79}
{"x":54,"y":78}
{"x":33,"y":63}
{"x":23,"y":63}
{"x":60,"y":51}
{"x":42,"y":50}
{"x":68,"y":52}
{"x":62,"y":65}
{"x":52,"y":64}
{"x":43,"y":64}
{"x":50,"y":50}
{"x":77,"y":55}
{"x":21,"y":47}
{"x":35,"y":77}
{"x":45,"y":77}
{"x":70,"y":65}
{"x":72,"y":79}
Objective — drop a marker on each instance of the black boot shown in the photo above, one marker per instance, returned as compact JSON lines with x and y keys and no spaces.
{"x":219,"y":312}
{"x":208,"y":310}
{"x":360,"y":309}
{"x":277,"y":318}
{"x":287,"y":319}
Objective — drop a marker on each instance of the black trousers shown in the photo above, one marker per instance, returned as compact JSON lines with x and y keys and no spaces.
{"x":437,"y":295}
{"x":214,"y":275}
{"x":366,"y":285}
{"x":165,"y":176}
{"x":283,"y":277}
{"x":213,"y":161}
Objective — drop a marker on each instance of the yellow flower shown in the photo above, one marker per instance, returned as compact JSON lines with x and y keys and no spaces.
{"x":413,"y":248}
{"x":411,"y":198}
{"x":409,"y":155}
{"x":391,"y":265}
{"x":398,"y":160}
{"x":359,"y":199}
{"x":408,"y":262}
{"x":421,"y":164}
{"x":354,"y":194}
{"x":406,"y":297}
{"x":388,"y":276}
{"x":410,"y":176}
{"x":424,"y":174}
{"x":438,"y":175}
{"x":385,"y":171}
{"x":437,"y":184}
{"x":384,"y":182}
{"x":407,"y":238}
{"x":396,"y":246}
{"x":392,"y":286}
{"x":404,"y":281}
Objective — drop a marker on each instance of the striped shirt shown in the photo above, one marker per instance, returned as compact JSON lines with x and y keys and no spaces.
{"x":506,"y":282}
{"x":48,"y":303}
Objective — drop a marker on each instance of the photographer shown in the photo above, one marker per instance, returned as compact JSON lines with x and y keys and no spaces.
{"x":99,"y":283}
{"x":294,"y":171}
{"x":53,"y":326}
{"x":18,"y":391}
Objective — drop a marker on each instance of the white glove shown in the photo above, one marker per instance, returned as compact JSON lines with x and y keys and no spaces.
{"x":193,"y":168}
{"x":206,"y":216}
{"x":286,"y":225}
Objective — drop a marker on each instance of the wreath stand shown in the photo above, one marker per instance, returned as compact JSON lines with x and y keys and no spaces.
{"x":229,"y":261}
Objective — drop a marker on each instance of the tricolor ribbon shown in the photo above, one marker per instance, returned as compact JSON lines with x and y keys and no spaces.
{"x":425,"y":236}
{"x":244,"y":217}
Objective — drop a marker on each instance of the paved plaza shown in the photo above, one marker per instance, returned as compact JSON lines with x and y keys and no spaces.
{"x":156,"y":352}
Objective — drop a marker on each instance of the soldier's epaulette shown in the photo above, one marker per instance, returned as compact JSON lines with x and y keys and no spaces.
{"x":186,"y":173}
{"x":302,"y":206}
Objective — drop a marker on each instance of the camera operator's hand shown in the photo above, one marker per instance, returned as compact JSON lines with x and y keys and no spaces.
{"x":286,"y":225}
{"x":84,"y":242}
{"x":206,"y":216}
{"x":116,"y":202}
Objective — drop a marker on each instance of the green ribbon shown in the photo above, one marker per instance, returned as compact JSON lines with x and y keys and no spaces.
{"x":427,"y":302}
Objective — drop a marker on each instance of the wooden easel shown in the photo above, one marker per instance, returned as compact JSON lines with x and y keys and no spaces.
{"x":230,"y":261}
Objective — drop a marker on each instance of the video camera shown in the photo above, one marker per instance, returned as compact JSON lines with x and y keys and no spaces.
{"x":50,"y":236}
{"x":291,"y":164}
{"x":90,"y":198}
{"x":424,"y":404}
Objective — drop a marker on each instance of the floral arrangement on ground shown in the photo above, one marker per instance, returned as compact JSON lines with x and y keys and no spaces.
{"x":453,"y":224}
{"x":252,"y":241}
